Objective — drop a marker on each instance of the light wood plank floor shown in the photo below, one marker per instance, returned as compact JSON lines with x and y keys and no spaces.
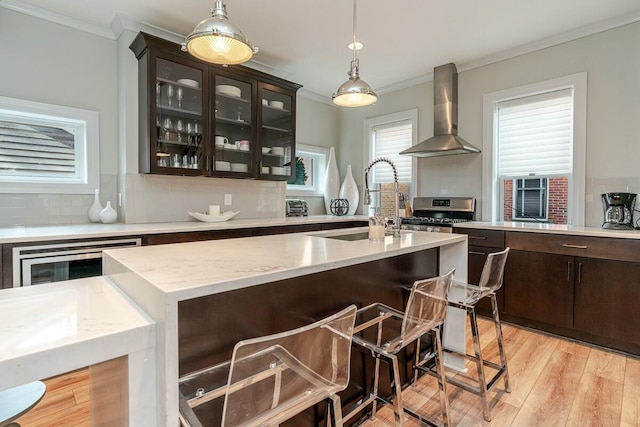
{"x":554,"y":382}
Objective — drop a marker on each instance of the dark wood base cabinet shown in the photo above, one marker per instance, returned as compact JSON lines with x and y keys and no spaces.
{"x":540,"y":287}
{"x":607,"y":300}
{"x":586,"y":288}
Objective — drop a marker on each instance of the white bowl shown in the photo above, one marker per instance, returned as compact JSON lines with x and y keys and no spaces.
{"x":189,"y":82}
{"x":278,"y":151}
{"x":266,"y":150}
{"x":277,"y":104}
{"x":265,"y":169}
{"x":224,"y":216}
{"x":277,"y":170}
{"x":229,"y":90}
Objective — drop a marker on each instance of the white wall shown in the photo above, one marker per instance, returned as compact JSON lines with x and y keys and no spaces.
{"x":317,"y":124}
{"x":49,"y":63}
{"x":612,"y":61}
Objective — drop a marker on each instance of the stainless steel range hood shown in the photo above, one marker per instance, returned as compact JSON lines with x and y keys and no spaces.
{"x":445,"y":140}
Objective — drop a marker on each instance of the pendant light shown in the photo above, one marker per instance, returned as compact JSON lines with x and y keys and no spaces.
{"x":354,"y":92}
{"x":219,"y":41}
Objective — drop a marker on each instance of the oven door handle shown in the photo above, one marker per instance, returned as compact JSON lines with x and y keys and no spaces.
{"x":27,"y":264}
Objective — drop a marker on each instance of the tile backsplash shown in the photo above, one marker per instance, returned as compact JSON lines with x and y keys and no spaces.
{"x":53,"y":209}
{"x":158,"y":198}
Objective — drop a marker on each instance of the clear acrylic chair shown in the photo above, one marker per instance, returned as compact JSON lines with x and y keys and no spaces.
{"x":273,"y":378}
{"x":384,"y":332}
{"x":465,"y":296}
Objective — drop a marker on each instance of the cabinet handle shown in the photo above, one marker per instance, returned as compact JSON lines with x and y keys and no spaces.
{"x":579,"y":272}
{"x":476,"y":253}
{"x":477,"y":237}
{"x":566,"y":245}
{"x":568,"y":271}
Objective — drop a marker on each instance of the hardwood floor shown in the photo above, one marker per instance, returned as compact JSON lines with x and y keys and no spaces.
{"x":554,"y":382}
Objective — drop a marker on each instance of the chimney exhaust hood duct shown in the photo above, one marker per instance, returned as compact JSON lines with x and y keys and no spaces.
{"x":445,"y":140}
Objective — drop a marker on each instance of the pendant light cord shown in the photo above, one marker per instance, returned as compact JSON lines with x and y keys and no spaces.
{"x":354,"y":30}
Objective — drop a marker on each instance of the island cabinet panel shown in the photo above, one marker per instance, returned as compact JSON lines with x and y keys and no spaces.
{"x":481,"y":244}
{"x":607,"y":301}
{"x":210,"y":326}
{"x":540,"y":287}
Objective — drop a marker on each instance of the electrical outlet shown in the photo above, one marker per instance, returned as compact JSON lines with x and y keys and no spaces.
{"x":227,"y":200}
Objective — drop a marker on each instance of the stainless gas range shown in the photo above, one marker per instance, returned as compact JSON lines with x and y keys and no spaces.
{"x":439,"y":214}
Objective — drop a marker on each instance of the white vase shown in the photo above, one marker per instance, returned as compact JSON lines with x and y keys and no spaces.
{"x":108,"y":215}
{"x":96,"y":208}
{"x":349,"y":191}
{"x":331,"y":181}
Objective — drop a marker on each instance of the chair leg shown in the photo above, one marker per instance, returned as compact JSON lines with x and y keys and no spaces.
{"x":479,"y":363}
{"x":503,"y":357}
{"x":334,"y":413}
{"x":442,"y":381}
{"x":396,"y":391}
{"x":416,"y":361}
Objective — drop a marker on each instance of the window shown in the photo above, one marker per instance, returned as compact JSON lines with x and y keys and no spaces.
{"x":530,"y":199}
{"x":311,"y":162}
{"x":387,"y":136}
{"x":534,"y":152}
{"x":47,"y":149}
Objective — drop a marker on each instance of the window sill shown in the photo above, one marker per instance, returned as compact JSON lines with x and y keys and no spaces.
{"x":304,"y":193}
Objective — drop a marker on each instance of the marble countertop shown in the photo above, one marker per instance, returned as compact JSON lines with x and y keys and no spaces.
{"x":50,"y":329}
{"x":83,"y":231}
{"x":190,"y":270}
{"x":536,"y":227}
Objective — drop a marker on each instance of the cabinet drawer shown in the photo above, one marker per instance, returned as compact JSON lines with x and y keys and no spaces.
{"x":486,"y":238}
{"x":591,"y":247}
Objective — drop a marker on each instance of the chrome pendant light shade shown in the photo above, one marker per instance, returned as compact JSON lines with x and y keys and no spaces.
{"x":219,"y":41}
{"x":354,"y":92}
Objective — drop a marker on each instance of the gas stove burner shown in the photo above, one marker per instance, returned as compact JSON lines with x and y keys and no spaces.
{"x":439,"y":214}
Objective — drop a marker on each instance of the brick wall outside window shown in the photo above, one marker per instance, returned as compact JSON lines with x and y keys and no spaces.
{"x":558,"y":196}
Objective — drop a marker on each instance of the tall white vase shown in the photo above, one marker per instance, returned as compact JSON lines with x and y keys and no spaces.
{"x":96,"y":208}
{"x":349,"y":191}
{"x":331,"y":181}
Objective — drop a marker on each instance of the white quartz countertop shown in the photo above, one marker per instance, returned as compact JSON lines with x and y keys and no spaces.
{"x":50,"y":329}
{"x":82,"y":231}
{"x":535,"y":227}
{"x":189,"y":270}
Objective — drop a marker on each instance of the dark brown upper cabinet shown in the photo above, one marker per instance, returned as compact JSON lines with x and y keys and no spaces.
{"x":204,"y":119}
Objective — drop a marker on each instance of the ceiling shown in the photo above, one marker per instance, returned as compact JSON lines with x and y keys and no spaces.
{"x":305,"y":41}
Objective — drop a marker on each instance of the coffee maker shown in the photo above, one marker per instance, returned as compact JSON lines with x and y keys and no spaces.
{"x":618,"y":210}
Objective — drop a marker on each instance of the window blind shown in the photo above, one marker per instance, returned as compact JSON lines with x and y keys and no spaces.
{"x":535,"y":134}
{"x":29,"y":150}
{"x":388,"y":141}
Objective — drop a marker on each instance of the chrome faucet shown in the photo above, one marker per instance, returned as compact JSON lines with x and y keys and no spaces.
{"x":396,"y":192}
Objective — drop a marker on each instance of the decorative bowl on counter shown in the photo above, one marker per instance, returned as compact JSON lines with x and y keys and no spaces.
{"x":225,"y":216}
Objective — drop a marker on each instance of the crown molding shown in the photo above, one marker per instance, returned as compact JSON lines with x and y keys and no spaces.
{"x":578,"y":33}
{"x":58,"y":18}
{"x":122,"y":22}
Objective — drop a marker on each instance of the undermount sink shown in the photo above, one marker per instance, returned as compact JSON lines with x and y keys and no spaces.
{"x":351,"y":236}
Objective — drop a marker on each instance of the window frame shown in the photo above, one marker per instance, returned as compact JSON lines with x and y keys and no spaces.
{"x":388,"y":119}
{"x":322,"y":156}
{"x":86,"y":155}
{"x":514,"y":198}
{"x":491,"y":192}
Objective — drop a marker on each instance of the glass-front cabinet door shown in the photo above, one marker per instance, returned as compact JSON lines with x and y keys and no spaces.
{"x":179,"y":102}
{"x":277,"y":132}
{"x":233,"y":130}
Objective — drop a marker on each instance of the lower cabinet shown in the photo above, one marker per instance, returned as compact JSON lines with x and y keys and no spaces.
{"x":607,"y":299}
{"x":540,"y":287}
{"x":585,"y":288}
{"x":481,"y":244}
